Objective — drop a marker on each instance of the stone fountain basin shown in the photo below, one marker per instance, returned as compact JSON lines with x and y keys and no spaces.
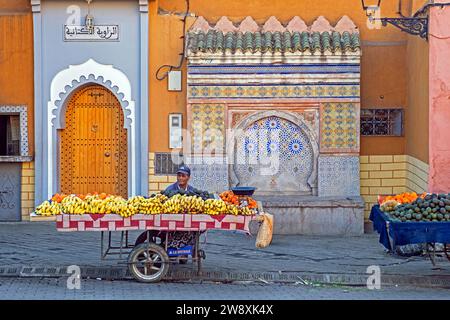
{"x":312,"y":215}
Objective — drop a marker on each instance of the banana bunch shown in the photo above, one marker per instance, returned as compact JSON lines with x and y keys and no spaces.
{"x":215,"y":207}
{"x":192,"y":204}
{"x":97,"y":206}
{"x":173,"y":205}
{"x":48,"y":209}
{"x":134,"y":204}
{"x":135,"y":201}
{"x":122,"y":208}
{"x":154,"y":205}
{"x":232,"y":209}
{"x":245,"y":211}
{"x":74,"y":205}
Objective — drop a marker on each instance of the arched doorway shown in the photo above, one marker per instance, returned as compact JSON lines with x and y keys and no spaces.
{"x":93,"y":144}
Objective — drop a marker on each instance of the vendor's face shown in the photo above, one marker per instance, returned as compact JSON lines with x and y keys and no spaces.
{"x":182,"y":179}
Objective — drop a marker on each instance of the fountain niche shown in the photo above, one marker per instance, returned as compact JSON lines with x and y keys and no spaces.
{"x":280,"y":105}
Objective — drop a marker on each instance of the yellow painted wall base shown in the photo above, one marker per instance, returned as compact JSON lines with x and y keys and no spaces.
{"x":157,"y":183}
{"x":391,"y":174}
{"x":27,"y":187}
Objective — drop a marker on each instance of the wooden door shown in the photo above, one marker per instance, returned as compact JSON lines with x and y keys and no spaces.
{"x":93,"y":145}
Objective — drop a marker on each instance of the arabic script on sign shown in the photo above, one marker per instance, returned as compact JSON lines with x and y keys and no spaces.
{"x":97,"y":33}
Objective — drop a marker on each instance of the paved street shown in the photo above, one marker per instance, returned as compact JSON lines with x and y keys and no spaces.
{"x":48,"y":289}
{"x":39,"y":245}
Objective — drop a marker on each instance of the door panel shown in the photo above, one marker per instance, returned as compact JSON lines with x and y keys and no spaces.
{"x":94,"y":144}
{"x":10,"y":174}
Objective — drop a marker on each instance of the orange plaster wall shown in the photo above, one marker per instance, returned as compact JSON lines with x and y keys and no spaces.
{"x":383,"y":85}
{"x":386,"y":77}
{"x":417,"y":124}
{"x":16,"y":59}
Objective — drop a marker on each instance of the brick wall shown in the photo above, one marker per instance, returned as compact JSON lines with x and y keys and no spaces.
{"x":391,"y":174}
{"x":27,"y":187}
{"x":156,"y":183}
{"x":417,"y":175}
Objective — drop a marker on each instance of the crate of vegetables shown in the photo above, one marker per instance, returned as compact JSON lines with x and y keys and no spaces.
{"x":425,"y":208}
{"x":405,"y":197}
{"x":423,"y":220}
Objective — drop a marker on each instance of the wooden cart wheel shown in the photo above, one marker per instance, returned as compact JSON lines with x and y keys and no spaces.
{"x":148,"y":263}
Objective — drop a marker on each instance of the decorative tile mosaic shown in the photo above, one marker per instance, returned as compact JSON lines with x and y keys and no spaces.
{"x":248,"y":69}
{"x":339,"y":176}
{"x":238,"y":116}
{"x":264,"y":91}
{"x":274,"y":154}
{"x":208,"y":127}
{"x":23,"y":112}
{"x":339,"y":127}
{"x":208,"y":173}
{"x":310,"y":115}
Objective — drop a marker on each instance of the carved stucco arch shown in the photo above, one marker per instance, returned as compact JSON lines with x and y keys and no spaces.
{"x":60,"y":111}
{"x":295,"y":118}
{"x":67,"y":82}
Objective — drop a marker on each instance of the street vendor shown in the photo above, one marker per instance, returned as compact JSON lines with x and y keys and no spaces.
{"x":177,"y":239}
{"x":183,"y":176}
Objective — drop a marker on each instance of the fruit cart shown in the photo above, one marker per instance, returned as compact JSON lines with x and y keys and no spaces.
{"x":395,"y":233}
{"x":150,"y":256}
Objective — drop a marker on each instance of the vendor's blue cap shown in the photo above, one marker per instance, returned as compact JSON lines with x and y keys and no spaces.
{"x":185,"y":170}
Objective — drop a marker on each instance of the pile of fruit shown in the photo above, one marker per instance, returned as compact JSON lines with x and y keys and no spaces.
{"x":405,"y":197}
{"x":48,"y":208}
{"x":389,"y":205}
{"x":194,"y":192}
{"x":155,"y":204}
{"x":182,"y":203}
{"x":231,"y":198}
{"x":430,"y":208}
{"x":151,"y":205}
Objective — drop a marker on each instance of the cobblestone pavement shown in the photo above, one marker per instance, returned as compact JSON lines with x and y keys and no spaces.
{"x":51,"y":288}
{"x":39,"y":244}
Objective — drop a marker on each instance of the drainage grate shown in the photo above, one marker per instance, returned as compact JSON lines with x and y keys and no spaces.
{"x":12,"y":271}
{"x":51,"y":271}
{"x":89,"y":272}
{"x":116,"y":273}
{"x":27,"y":270}
{"x":39,"y":270}
{"x":103,"y":272}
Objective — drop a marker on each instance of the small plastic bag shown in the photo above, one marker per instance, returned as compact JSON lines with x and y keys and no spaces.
{"x":265,"y":232}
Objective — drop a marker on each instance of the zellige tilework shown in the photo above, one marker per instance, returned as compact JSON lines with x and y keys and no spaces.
{"x":208,"y":127}
{"x":340,"y":124}
{"x":339,"y":176}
